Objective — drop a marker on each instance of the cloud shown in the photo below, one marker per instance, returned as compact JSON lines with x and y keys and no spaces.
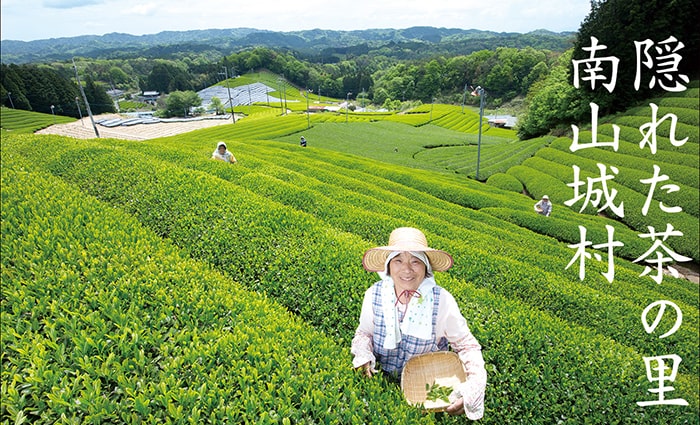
{"x":70,"y":4}
{"x":144,"y":9}
{"x":41,"y":19}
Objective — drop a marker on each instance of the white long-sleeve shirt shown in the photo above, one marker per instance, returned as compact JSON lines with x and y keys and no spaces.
{"x":451,"y":325}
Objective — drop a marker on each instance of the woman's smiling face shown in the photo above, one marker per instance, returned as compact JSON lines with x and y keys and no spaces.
{"x":407,"y":271}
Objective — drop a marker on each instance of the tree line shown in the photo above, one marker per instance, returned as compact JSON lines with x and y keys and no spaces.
{"x":553,"y":103}
{"x":540,"y":77}
{"x":507,"y":72}
{"x":42,"y":88}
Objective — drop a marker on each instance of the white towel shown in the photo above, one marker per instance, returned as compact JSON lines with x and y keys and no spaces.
{"x":418,"y":320}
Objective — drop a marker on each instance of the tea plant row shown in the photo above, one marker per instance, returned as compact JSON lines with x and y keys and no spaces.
{"x":551,"y":171}
{"x":307,"y":257}
{"x":105,"y":322}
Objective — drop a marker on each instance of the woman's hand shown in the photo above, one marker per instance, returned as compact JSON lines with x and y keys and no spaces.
{"x":456,"y":408}
{"x":366,"y":369}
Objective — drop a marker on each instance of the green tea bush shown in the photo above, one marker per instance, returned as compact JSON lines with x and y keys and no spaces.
{"x":454,"y":120}
{"x":414,"y":119}
{"x":677,"y":102}
{"x":686,"y":197}
{"x":565,"y":228}
{"x":633,"y":208}
{"x":501,"y":158}
{"x":334,"y":190}
{"x":687,"y":116}
{"x":506,"y":182}
{"x":678,"y":166}
{"x":290,"y":227}
{"x":104,"y":322}
{"x":263,"y":126}
{"x":629,"y":144}
{"x":357,"y":184}
{"x":20,"y":121}
{"x":538,"y":183}
{"x":269,"y":238}
{"x":534,"y":378}
{"x":682,"y":130}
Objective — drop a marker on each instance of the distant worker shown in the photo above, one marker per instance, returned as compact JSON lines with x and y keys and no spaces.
{"x":302,"y":142}
{"x":223,"y":154}
{"x":544,"y":207}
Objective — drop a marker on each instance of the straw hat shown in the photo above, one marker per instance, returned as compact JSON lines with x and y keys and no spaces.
{"x":545,"y":197}
{"x":406,"y":239}
{"x":440,"y":367}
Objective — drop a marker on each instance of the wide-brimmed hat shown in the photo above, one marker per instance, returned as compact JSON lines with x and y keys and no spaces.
{"x":406,"y":239}
{"x":545,"y":197}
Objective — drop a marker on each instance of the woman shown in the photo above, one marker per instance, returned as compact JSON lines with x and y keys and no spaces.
{"x":222,"y":154}
{"x":544,"y":207}
{"x":406,"y":314}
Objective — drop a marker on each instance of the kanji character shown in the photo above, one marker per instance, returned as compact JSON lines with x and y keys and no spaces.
{"x":594,"y":134}
{"x":665,"y":63}
{"x":594,"y":195}
{"x":594,"y":68}
{"x":582,"y":255}
{"x":662,"y":377}
{"x":660,"y":258}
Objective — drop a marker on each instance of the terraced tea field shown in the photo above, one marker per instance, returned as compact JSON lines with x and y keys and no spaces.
{"x":144,"y":283}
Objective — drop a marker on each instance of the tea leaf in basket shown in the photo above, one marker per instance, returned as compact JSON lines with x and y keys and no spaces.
{"x":438,"y":392}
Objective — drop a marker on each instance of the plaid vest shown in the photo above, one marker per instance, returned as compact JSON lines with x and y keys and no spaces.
{"x":392,"y":361}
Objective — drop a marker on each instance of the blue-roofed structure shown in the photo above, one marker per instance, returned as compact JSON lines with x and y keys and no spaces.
{"x":240,"y":95}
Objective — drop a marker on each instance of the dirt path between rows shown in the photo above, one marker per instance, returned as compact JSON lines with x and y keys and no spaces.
{"x":82,"y":129}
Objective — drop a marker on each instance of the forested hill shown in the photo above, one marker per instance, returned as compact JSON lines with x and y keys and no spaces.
{"x":409,"y":43}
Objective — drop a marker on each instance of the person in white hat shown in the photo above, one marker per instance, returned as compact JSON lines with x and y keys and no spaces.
{"x":406,"y":314}
{"x":544,"y":207}
{"x":223,"y":154}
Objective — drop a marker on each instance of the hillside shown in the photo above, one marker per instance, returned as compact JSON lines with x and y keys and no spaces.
{"x":143,"y":280}
{"x":408,"y":43}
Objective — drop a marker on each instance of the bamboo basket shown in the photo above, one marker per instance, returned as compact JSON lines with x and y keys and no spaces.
{"x":441,"y":367}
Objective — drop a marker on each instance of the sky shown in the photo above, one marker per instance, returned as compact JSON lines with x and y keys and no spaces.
{"x":29,"y":20}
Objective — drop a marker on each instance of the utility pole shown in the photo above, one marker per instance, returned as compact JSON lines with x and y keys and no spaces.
{"x":284,"y":87}
{"x":10,"y":97}
{"x":279,"y":81}
{"x":347,"y":106}
{"x":250,"y":100}
{"x":79,"y":111}
{"x":230,"y":102}
{"x":464,"y":97}
{"x":308,"y":119}
{"x":482,"y":94}
{"x":87,"y":104}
